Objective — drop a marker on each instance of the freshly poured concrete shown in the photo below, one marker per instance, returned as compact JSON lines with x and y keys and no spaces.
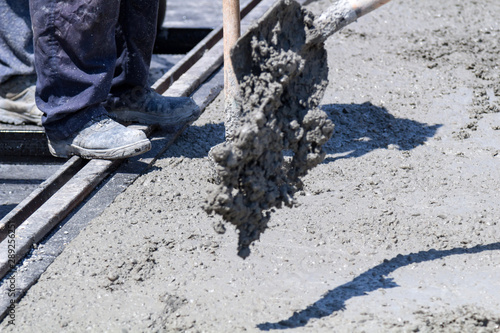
{"x":396,"y":231}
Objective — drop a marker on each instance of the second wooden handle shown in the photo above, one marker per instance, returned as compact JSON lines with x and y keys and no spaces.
{"x":362,"y":7}
{"x":342,"y":13}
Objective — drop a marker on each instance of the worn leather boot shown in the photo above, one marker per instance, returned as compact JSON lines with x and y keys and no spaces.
{"x":102,"y":138}
{"x":145,"y":106}
{"x":20,"y":108}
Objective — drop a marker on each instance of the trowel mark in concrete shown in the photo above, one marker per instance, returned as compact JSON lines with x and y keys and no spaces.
{"x":282,"y":81}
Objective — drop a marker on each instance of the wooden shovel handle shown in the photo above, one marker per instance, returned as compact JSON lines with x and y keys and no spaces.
{"x":231,"y":21}
{"x":231,"y":30}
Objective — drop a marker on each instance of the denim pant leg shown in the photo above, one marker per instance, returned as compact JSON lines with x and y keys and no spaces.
{"x":135,"y":37}
{"x":75,"y":56}
{"x":16,"y":39}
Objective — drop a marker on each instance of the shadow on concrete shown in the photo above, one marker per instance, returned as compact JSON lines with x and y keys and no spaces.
{"x":371,"y":280}
{"x":361,"y":128}
{"x":197,"y":141}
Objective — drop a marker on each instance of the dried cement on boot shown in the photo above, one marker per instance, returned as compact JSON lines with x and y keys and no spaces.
{"x":281,"y":86}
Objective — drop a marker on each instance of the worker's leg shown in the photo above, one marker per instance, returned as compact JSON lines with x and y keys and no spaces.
{"x":17,"y":79}
{"x":16,"y":39}
{"x":135,"y":36}
{"x":75,"y":57}
{"x":131,"y":99}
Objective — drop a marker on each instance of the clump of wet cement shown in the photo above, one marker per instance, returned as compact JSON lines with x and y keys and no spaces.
{"x":282,"y":80}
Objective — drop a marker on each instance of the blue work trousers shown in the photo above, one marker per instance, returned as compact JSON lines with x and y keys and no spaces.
{"x":85,"y":51}
{"x":16,"y":39}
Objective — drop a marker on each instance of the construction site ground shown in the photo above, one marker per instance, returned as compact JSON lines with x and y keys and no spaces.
{"x":398,"y":230}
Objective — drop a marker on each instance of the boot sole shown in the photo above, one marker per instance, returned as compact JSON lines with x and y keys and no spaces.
{"x":67,"y":150}
{"x":15,"y":118}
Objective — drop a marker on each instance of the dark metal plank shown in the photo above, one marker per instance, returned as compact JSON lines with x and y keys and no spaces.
{"x":178,"y":40}
{"x":44,"y":191}
{"x":54,"y":210}
{"x":22,"y":142}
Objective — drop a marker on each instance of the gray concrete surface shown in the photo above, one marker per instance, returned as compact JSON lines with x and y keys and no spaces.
{"x":396,"y":231}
